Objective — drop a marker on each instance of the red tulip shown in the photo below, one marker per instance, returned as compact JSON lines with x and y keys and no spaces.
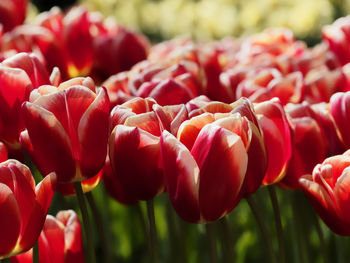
{"x":23,"y":207}
{"x":337,"y":37}
{"x":205,"y":167}
{"x":277,"y":138}
{"x":60,"y":241}
{"x":134,"y":145}
{"x":67,"y":130}
{"x":12,"y":13}
{"x":340,"y":110}
{"x":309,"y":144}
{"x":328,"y":190}
{"x":257,"y":161}
{"x":118,"y":50}
{"x":18,"y":76}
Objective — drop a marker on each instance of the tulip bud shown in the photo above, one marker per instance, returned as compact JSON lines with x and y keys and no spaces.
{"x":67,"y":130}
{"x":60,"y":239}
{"x":327,"y":188}
{"x":23,"y":207}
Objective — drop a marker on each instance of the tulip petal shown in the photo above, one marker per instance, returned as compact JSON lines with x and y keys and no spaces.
{"x":72,"y":236}
{"x":94,"y":124}
{"x":189,"y":130}
{"x":129,"y":146}
{"x":181,"y":174}
{"x":53,"y":232}
{"x":51,"y":145}
{"x":10,"y":220}
{"x":324,"y":206}
{"x":44,"y":193}
{"x":222,"y":159}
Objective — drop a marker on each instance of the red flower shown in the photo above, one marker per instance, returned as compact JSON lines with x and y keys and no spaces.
{"x":60,"y":241}
{"x":340,"y":110}
{"x":23,"y":207}
{"x":134,"y":145}
{"x":277,"y":138}
{"x":309,"y":140}
{"x":337,"y":37}
{"x":257,"y":160}
{"x":205,"y":166}
{"x":67,"y":130}
{"x":12,"y":13}
{"x":328,"y":190}
{"x":19,"y":75}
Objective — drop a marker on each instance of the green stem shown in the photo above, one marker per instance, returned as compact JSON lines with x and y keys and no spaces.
{"x":227,"y":244}
{"x":278,"y":223}
{"x":182,"y":239}
{"x":263,"y":228}
{"x":90,"y":251}
{"x":100,"y":227}
{"x":174,"y":249}
{"x":143,"y":223}
{"x":213,"y":253}
{"x":319,"y":231}
{"x":153,"y":231}
{"x":36,"y":252}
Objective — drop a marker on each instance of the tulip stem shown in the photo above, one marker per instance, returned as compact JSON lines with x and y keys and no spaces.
{"x":36,"y":252}
{"x":143,"y":223}
{"x":213,"y":253}
{"x":278,"y":223}
{"x":90,"y":253}
{"x":227,"y":245}
{"x":263,"y":228}
{"x":100,"y":227}
{"x":174,"y":249}
{"x":152,"y":232}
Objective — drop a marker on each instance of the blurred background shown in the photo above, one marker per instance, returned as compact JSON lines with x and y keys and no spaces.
{"x":215,"y":19}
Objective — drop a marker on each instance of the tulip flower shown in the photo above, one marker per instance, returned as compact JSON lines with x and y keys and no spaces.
{"x":309,"y":142}
{"x":134,"y":145}
{"x":67,"y":130}
{"x":340,"y":110}
{"x":337,"y":37}
{"x":60,"y":241}
{"x":328,"y":190}
{"x":277,"y":138}
{"x":12,"y":13}
{"x":23,"y":207}
{"x":257,"y":161}
{"x":19,"y":75}
{"x":205,"y":167}
{"x":118,"y":50}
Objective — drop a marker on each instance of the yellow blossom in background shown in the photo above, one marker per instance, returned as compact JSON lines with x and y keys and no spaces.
{"x":208,"y":19}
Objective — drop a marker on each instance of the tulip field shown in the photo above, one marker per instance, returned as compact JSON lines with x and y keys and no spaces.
{"x":117,"y":149}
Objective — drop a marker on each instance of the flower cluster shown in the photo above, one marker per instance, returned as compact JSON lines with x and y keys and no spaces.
{"x":206,"y":123}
